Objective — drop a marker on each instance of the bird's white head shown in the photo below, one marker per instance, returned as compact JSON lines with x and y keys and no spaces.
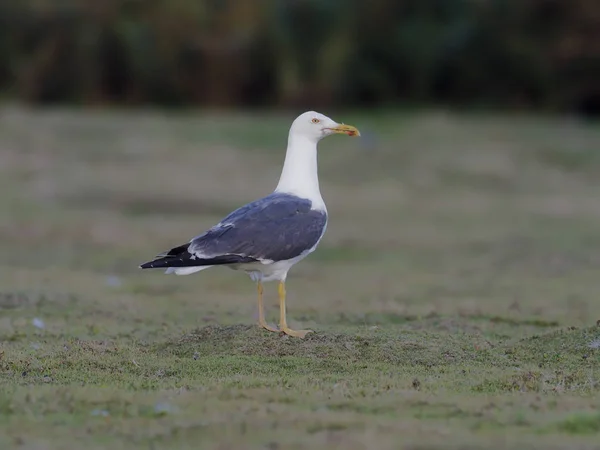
{"x":315,"y":126}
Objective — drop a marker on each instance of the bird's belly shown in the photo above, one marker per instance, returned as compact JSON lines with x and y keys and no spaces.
{"x":268,"y":272}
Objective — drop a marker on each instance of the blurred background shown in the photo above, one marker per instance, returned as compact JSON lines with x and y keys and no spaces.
{"x":128,"y":127}
{"x":536,"y":54}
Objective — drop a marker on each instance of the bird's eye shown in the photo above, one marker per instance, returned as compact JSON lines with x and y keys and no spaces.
{"x":315,"y":120}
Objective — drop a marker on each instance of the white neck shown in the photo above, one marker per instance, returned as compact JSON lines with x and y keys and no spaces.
{"x":300,"y":175}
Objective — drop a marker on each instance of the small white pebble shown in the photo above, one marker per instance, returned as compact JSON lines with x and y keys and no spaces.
{"x":113,"y":281}
{"x":39,"y":323}
{"x":595,"y":343}
{"x":164,"y":408}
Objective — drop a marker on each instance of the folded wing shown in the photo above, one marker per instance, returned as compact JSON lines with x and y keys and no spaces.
{"x":275,"y":228}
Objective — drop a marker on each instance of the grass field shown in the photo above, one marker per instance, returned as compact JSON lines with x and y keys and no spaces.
{"x":455,"y":296}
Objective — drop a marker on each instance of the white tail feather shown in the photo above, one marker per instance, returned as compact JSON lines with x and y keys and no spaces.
{"x":185,"y":270}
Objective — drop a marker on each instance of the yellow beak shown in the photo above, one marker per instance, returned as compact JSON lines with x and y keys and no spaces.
{"x":346,"y":129}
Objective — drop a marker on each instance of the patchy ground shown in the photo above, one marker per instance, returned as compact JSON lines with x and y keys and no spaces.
{"x":454,"y":296}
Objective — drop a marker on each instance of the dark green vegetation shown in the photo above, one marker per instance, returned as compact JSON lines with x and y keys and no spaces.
{"x":318,"y":53}
{"x":454,"y":296}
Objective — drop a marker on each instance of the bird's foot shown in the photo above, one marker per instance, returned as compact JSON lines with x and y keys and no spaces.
{"x":268,"y":327}
{"x":296,"y":333}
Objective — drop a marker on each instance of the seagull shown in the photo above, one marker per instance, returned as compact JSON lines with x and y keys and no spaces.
{"x":266,"y":237}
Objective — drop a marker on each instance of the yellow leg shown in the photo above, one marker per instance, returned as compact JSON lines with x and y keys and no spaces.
{"x":282,"y":319}
{"x":261,"y":310}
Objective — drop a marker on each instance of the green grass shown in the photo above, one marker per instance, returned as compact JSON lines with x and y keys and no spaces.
{"x":454,"y":297}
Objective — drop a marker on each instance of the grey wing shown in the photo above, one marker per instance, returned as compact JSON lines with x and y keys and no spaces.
{"x":275,"y":228}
